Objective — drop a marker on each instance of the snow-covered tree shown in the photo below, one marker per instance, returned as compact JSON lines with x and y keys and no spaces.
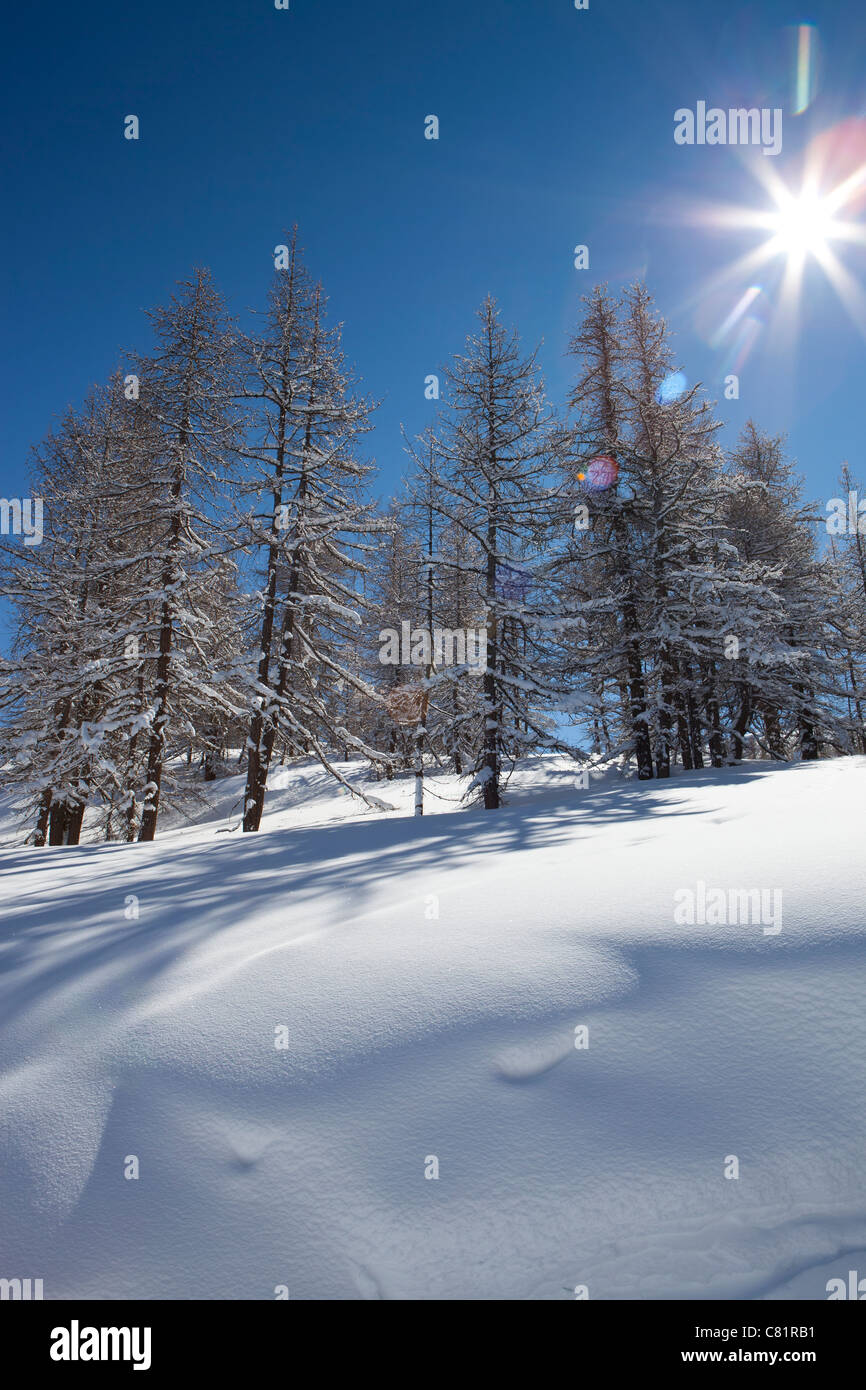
{"x":67,"y":687}
{"x":310,"y":526}
{"x":187,"y":385}
{"x":487,"y":474}
{"x":789,"y":688}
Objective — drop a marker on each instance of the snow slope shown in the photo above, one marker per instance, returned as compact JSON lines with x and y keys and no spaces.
{"x":413,"y":1035}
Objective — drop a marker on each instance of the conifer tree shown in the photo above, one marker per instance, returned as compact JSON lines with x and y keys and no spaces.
{"x":187,"y":393}
{"x":489,"y":475}
{"x":311,"y":523}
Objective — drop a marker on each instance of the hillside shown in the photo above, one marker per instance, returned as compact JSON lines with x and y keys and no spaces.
{"x":430,"y":976}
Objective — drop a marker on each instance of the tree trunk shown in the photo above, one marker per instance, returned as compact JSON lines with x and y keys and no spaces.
{"x":156,"y":748}
{"x":41,"y":832}
{"x":695,"y":731}
{"x":717,"y":744}
{"x":640,"y":729}
{"x":683,"y":734}
{"x":744,"y":714}
{"x":773,"y":729}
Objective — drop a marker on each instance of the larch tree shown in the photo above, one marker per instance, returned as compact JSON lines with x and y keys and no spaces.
{"x":187,"y":393}
{"x":72,"y":597}
{"x":489,"y":474}
{"x":312,"y":526}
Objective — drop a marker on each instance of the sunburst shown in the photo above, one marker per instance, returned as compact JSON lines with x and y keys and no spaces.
{"x":801,"y":225}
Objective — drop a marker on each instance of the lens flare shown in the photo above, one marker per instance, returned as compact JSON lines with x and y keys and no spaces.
{"x":601,"y":473}
{"x":804,"y":67}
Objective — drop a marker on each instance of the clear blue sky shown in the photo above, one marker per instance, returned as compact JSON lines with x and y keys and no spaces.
{"x":556,"y":129}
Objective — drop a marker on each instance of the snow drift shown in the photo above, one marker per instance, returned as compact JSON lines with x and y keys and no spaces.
{"x":292,"y":1032}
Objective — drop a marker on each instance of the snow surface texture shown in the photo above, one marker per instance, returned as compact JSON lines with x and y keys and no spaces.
{"x":412,"y":1035}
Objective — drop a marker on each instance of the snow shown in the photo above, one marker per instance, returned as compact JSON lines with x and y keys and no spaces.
{"x":413,"y":1035}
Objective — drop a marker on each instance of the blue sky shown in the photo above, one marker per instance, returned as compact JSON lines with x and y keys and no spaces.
{"x":556,"y":128}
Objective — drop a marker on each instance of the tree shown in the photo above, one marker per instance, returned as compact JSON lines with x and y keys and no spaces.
{"x":614,"y":650}
{"x":789,"y":685}
{"x":187,"y":392}
{"x":310,"y":523}
{"x":66,"y":690}
{"x":485,"y":474}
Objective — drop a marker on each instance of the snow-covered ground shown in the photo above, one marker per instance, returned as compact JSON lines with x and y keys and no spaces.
{"x":427,"y":978}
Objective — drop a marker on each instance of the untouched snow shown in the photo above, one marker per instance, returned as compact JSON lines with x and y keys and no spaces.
{"x":412,"y":1035}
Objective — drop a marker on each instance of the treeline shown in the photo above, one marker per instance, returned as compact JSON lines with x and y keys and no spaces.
{"x":215,"y":574}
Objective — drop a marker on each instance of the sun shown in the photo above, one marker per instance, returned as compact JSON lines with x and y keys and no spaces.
{"x":814,"y":226}
{"x":802,"y":225}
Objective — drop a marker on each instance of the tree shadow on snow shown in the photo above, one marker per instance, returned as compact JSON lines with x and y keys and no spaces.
{"x":74,"y":922}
